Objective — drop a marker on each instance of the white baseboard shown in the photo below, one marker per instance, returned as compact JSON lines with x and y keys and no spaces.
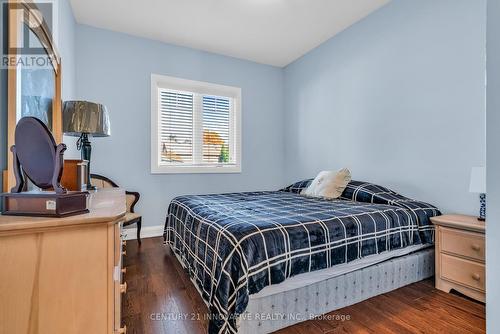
{"x":146,"y":232}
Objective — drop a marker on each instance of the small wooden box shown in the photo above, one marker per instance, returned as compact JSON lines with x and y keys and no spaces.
{"x":74,"y":175}
{"x":45,"y":204}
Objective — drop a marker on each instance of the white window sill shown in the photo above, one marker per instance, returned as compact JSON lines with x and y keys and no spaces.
{"x":195,"y":169}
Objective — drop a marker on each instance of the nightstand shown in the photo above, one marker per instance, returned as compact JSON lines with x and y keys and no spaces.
{"x":460,"y":249}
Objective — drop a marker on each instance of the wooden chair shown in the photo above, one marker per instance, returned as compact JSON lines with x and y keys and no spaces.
{"x":132,"y":198}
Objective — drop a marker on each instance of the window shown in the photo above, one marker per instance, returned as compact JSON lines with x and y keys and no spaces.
{"x":195,"y":126}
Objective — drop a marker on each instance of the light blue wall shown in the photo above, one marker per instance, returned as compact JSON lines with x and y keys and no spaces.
{"x":115,"y":69}
{"x":413,"y":70}
{"x":399,"y":98}
{"x":493,"y":169}
{"x":67,"y":49}
{"x":66,"y":46}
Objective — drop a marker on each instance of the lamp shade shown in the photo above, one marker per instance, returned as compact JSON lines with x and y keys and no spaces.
{"x":85,"y":117}
{"x":478,"y":180}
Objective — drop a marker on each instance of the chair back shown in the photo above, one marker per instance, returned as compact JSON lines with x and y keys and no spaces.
{"x":101,"y":181}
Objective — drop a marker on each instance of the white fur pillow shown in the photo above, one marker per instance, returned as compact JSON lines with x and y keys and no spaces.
{"x":328,"y":184}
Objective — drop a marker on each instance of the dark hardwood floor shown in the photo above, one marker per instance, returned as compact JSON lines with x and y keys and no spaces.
{"x":159,"y":291}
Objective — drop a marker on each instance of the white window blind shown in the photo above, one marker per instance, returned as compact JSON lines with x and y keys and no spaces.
{"x":195,"y":126}
{"x":176,"y":126}
{"x":217,"y":132}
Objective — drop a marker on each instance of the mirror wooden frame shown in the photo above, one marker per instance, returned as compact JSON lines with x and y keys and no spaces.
{"x":16,"y":20}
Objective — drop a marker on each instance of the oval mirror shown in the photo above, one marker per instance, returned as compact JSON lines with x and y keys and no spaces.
{"x":36,"y":151}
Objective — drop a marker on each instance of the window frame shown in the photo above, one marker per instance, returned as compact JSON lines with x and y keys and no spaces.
{"x":198,"y":87}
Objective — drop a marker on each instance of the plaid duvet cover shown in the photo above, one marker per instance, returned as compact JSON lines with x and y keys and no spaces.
{"x":234,"y":245}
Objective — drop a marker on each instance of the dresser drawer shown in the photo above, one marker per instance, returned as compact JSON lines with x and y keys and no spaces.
{"x":463,"y":243}
{"x":465,"y":272}
{"x":120,"y":287}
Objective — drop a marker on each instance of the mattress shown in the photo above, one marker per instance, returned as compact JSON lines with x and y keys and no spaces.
{"x":314,"y":277}
{"x":269,"y":313}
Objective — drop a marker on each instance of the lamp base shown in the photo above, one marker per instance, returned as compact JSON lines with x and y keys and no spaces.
{"x":83,"y":144}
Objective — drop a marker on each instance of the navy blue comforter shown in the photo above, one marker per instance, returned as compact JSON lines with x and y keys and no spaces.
{"x":234,"y":245}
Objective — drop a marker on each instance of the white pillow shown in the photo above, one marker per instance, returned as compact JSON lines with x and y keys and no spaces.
{"x":328,"y":184}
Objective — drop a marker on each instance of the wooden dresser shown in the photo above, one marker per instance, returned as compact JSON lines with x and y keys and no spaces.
{"x":63,"y":276}
{"x":460,"y":255}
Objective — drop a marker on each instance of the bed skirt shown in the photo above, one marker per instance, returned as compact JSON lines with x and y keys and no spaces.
{"x":270,"y":313}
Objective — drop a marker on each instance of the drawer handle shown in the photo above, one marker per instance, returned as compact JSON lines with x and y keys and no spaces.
{"x":124,"y":270}
{"x":122,"y":330}
{"x":476,"y":277}
{"x":123,"y":287}
{"x":475,"y":247}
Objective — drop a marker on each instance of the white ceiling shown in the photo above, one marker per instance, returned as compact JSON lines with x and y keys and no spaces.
{"x":274,"y":32}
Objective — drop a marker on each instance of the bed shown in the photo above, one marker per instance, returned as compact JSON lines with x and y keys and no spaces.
{"x":265,"y":260}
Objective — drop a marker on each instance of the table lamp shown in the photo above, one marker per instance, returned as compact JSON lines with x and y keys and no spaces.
{"x":81,"y":119}
{"x":478,"y":186}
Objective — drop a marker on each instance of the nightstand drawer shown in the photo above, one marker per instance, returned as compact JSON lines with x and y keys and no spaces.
{"x":465,"y":272}
{"x":464,"y":243}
